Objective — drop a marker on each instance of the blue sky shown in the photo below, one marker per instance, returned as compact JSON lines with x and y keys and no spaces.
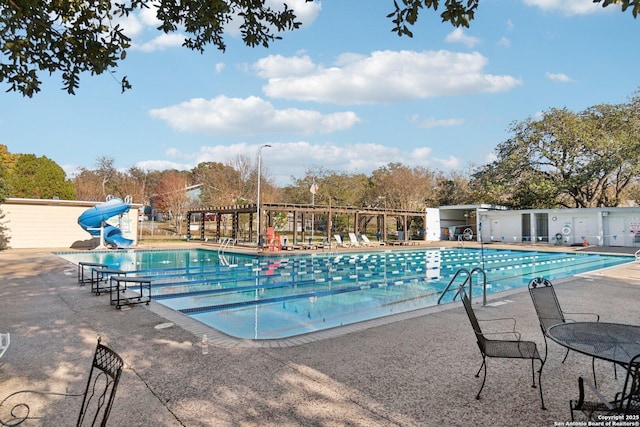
{"x":343,"y":92}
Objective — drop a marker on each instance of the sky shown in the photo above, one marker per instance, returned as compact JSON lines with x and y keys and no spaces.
{"x":342,"y":93}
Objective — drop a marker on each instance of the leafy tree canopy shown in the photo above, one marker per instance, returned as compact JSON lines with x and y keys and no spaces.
{"x":71,"y":37}
{"x":40,"y":178}
{"x":566,"y":159}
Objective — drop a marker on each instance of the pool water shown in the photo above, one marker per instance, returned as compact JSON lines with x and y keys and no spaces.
{"x":268,"y":297}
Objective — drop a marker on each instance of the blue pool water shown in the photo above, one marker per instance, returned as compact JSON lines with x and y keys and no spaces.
{"x":271,"y":297}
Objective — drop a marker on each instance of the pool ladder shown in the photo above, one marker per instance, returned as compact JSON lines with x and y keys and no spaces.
{"x":468,"y":279}
{"x":223,"y":245}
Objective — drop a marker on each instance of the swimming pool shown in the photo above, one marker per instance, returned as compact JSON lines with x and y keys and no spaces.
{"x":268,"y":297}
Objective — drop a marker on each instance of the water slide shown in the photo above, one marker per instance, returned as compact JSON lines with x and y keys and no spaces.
{"x":93,"y":220}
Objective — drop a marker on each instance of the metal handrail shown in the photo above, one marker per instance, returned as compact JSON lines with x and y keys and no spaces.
{"x":224,"y":244}
{"x":469,"y":279}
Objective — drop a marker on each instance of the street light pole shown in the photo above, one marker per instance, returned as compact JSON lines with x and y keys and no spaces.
{"x":258,"y":198}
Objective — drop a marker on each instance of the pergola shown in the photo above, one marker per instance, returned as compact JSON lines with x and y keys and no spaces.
{"x":300,"y":213}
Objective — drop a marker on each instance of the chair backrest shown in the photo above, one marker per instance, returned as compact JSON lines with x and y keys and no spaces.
{"x":473,"y":319}
{"x":546,"y":303}
{"x":101,"y":387}
{"x":5,"y":342}
{"x":353,"y":238}
{"x":338,"y":238}
{"x":630,"y":401}
{"x":365,"y":238}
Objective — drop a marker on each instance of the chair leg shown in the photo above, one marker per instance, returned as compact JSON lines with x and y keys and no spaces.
{"x":481,"y":366}
{"x":484,"y":377}
{"x":540,"y":384}
{"x":593,"y":369}
{"x":565,"y":356}
{"x":533,"y":374}
{"x":571,"y":408}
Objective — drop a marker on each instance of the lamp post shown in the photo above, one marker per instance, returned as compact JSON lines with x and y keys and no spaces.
{"x":258,"y":198}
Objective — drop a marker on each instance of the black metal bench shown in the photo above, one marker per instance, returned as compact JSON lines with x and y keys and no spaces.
{"x":83,"y":266}
{"x":100,"y":279}
{"x":122,"y":295}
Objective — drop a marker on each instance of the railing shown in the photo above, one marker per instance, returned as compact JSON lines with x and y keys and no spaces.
{"x":469,"y":279}
{"x":225,"y":244}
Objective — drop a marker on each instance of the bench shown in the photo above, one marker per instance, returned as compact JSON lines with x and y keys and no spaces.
{"x":122,"y":295}
{"x":100,"y":279}
{"x":83,"y":266}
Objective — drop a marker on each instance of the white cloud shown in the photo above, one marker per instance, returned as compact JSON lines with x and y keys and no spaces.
{"x":450,"y":163}
{"x":559,"y":77}
{"x":219,"y":67}
{"x":568,"y":7}
{"x":284,"y":160}
{"x":161,"y":165}
{"x":249,"y":116}
{"x":510,"y":25}
{"x":381,"y":77}
{"x":306,"y":13}
{"x":161,"y":42}
{"x":148,"y":16}
{"x":145,"y":23}
{"x":490,"y":158}
{"x":432,"y":122}
{"x":275,"y":66}
{"x":131,"y":25}
{"x":136,"y":25}
{"x":504,"y":42}
{"x":458,"y":36}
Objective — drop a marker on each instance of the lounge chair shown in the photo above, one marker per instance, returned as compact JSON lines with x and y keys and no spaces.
{"x":625,"y":402}
{"x":353,"y":240}
{"x":502,"y":348}
{"x":97,"y":398}
{"x":5,"y":341}
{"x":549,"y":312}
{"x":367,"y":242}
{"x":339,"y":241}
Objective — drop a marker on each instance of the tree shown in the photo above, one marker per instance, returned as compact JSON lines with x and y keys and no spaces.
{"x":78,"y":36}
{"x":4,"y":238}
{"x":6,"y":164}
{"x":219,"y":183}
{"x":96,"y":184}
{"x":452,"y":189}
{"x":460,"y":13}
{"x":403,"y":187}
{"x":172,"y":196}
{"x":134,"y":184}
{"x":585,"y":159}
{"x":38,"y":177}
{"x":88,"y":185}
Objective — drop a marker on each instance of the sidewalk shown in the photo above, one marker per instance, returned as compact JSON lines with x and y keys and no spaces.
{"x":414,"y":372}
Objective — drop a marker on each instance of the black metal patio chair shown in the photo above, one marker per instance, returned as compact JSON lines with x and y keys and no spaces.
{"x":97,"y":398}
{"x":550,"y":313}
{"x":502,"y":348}
{"x":625,"y":402}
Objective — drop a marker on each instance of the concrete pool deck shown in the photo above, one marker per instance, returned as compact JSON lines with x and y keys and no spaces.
{"x":415,"y":371}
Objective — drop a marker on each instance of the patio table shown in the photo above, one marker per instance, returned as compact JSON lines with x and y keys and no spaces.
{"x":613,"y":342}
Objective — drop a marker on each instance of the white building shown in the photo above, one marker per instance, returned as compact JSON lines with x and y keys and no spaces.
{"x":586,"y":226}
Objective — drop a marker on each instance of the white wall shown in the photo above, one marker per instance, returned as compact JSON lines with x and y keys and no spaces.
{"x":38,"y":223}
{"x":596,"y":226}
